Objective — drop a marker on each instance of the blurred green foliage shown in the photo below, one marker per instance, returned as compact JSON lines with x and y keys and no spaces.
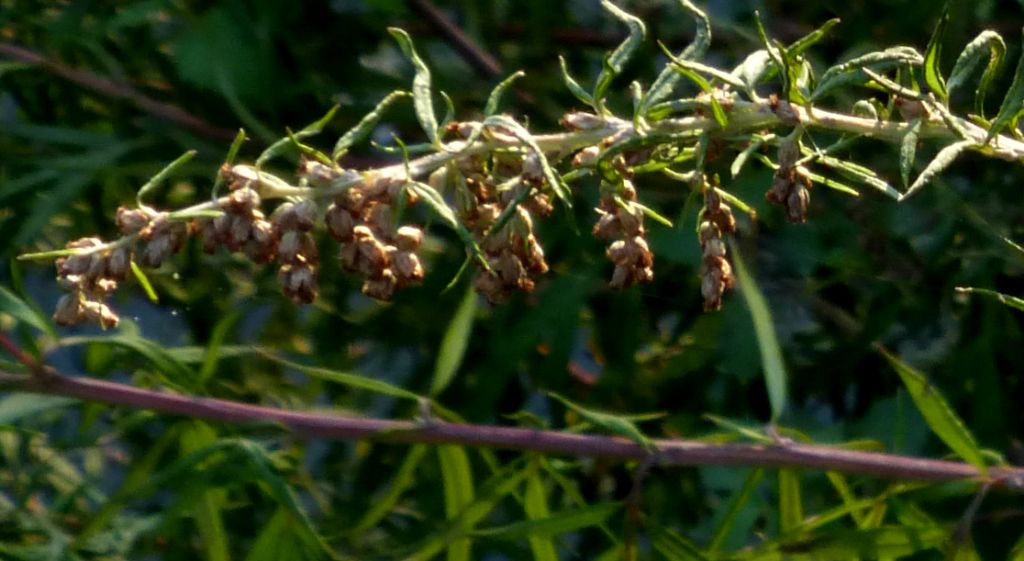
{"x":74,"y":477}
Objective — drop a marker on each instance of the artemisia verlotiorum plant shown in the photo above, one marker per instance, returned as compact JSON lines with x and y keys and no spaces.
{"x":491,"y":179}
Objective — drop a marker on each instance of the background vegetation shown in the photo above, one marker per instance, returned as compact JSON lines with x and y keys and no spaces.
{"x":860,"y":271}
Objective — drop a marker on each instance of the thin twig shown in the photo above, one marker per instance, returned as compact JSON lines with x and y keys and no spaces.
{"x":20,"y":355}
{"x":671,"y":452}
{"x":118,"y":90}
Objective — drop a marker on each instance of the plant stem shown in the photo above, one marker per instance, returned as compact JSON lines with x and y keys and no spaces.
{"x":672,"y":452}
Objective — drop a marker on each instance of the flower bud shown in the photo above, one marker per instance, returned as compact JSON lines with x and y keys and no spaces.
{"x":796,"y":203}
{"x":98,"y":312}
{"x":409,"y":238}
{"x":339,"y":223}
{"x":69,"y":310}
{"x":382,"y":287}
{"x":586,"y":156}
{"x":406,"y":266}
{"x":130,"y":221}
{"x":118,"y":262}
{"x":298,"y":282}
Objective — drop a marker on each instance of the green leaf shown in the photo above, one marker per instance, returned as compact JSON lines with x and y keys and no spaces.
{"x":536,"y":505}
{"x":403,"y":479}
{"x":940,"y":417}
{"x":791,"y":510}
{"x":850,"y":71}
{"x":1012,"y":104}
{"x":673,"y":546}
{"x":767,"y":341}
{"x":908,"y":149}
{"x":933,"y":56}
{"x":282,"y":537}
{"x":519,"y":131}
{"x":454,"y":343}
{"x":942,"y":160}
{"x":797,"y":48}
{"x":666,"y":80}
{"x":494,"y":99}
{"x":569,"y":520}
{"x":574,"y":87}
{"x":741,"y":159}
{"x":775,"y":52}
{"x":617,"y":60}
{"x":147,"y":287}
{"x":18,"y":406}
{"x":365,"y":125}
{"x":716,"y":107}
{"x":753,"y":69}
{"x":732,"y":510}
{"x":215,"y":346}
{"x":20,"y":310}
{"x":860,"y":173}
{"x":458,"y":493}
{"x":344,"y":378}
{"x":172,"y":370}
{"x":888,"y":542}
{"x":280,"y":145}
{"x":208,"y":509}
{"x":830,"y":183}
{"x":163,"y":174}
{"x":421,"y":90}
{"x":987,"y":42}
{"x":615,"y":424}
{"x":436,"y":202}
{"x":229,"y":160}
{"x":721,"y":75}
{"x":1011,"y":301}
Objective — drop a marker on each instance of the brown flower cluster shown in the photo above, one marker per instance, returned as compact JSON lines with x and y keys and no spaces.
{"x":514,"y":256}
{"x":714,"y":221}
{"x":621,"y":220}
{"x":791,"y":184}
{"x":362,"y":220}
{"x":89,"y":279}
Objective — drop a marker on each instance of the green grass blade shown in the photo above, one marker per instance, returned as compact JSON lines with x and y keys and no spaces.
{"x":732,"y":510}
{"x":791,"y":510}
{"x":536,"y":506}
{"x":1011,"y":301}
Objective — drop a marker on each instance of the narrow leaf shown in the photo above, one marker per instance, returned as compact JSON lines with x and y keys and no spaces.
{"x":458,"y":493}
{"x":887,"y":542}
{"x":618,"y":58}
{"x":908,"y":149}
{"x":942,"y":160}
{"x":744,"y":155}
{"x":1011,"y":301}
{"x":574,"y":87}
{"x":519,"y":131}
{"x":494,"y":99}
{"x":18,"y":406}
{"x":767,"y":341}
{"x":20,"y":310}
{"x":987,"y":42}
{"x":229,"y":160}
{"x":732,"y":510}
{"x":796,"y":48}
{"x":791,"y":510}
{"x":936,"y":411}
{"x":403,"y":479}
{"x":365,"y":125}
{"x":716,"y":107}
{"x":569,"y":520}
{"x":163,"y":174}
{"x":878,"y":61}
{"x":666,"y":80}
{"x":672,"y":545}
{"x":1012,"y":102}
{"x":208,"y":509}
{"x":147,"y":287}
{"x":421,"y":90}
{"x":344,"y":378}
{"x":454,"y":343}
{"x":754,"y":69}
{"x":535,"y":503}
{"x":616,"y":424}
{"x":282,"y":144}
{"x":164,"y":363}
{"x":933,"y":56}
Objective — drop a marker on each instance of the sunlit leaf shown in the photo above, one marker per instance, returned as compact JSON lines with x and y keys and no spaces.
{"x":494,"y":99}
{"x":618,"y":58}
{"x":987,"y":42}
{"x":422,"y":95}
{"x":164,"y":174}
{"x":878,"y":61}
{"x":941,"y":418}
{"x":666,"y":80}
{"x":365,"y":125}
{"x":281,"y":145}
{"x":1011,"y":301}
{"x":616,"y":424}
{"x":908,"y":149}
{"x":933,"y":56}
{"x":1013,"y":103}
{"x":942,"y":160}
{"x":458,"y":493}
{"x":791,"y":510}
{"x":143,"y":280}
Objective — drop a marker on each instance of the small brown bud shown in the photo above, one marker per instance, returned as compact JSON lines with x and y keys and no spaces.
{"x":262,"y":246}
{"x":339,"y":223}
{"x":714,"y":247}
{"x":490,"y":286}
{"x":349,"y":256}
{"x":631,"y":220}
{"x":295,"y":216}
{"x":298,"y":282}
{"x":130,"y":221}
{"x":69,"y":310}
{"x":100,"y":313}
{"x":586,"y":156}
{"x":406,"y":266}
{"x":242,"y":201}
{"x":382,"y":287}
{"x":409,"y":238}
{"x":796,"y":203}
{"x":118,"y":262}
